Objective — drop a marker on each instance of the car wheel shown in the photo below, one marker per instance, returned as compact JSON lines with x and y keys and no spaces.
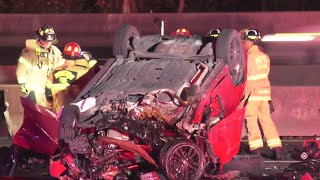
{"x":121,"y":176}
{"x":229,"y":50}
{"x":182,"y":159}
{"x":123,"y":39}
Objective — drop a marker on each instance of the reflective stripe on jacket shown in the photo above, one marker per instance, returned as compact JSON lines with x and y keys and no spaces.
{"x":61,"y":80}
{"x":258,"y":84}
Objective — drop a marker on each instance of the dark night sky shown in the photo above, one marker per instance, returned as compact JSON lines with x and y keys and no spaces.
{"x":157,"y":6}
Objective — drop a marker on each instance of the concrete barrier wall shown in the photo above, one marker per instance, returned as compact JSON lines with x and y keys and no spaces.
{"x":280,"y":75}
{"x":8,"y":75}
{"x":295,"y":75}
{"x":98,"y":29}
{"x":297,"y":108}
{"x":12,"y":96}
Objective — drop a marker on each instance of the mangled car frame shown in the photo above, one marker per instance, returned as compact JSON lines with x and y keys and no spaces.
{"x":165,"y":106}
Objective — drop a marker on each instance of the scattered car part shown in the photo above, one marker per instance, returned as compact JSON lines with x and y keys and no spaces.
{"x":311,"y":149}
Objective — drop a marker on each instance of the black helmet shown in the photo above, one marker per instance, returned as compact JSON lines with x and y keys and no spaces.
{"x":46,"y":33}
{"x":250,"y":34}
{"x":214,"y":32}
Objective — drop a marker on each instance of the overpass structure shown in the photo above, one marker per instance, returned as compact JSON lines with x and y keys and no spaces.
{"x":295,"y":65}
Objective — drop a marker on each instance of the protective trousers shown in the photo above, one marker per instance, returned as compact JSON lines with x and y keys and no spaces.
{"x":259,"y":112}
{"x":38,"y":98}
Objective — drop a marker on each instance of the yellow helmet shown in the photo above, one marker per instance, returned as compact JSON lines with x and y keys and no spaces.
{"x":214,"y":32}
{"x":250,"y":34}
{"x":46,"y":33}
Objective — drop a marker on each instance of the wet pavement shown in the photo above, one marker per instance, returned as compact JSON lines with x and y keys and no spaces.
{"x":28,"y":167}
{"x":249,"y":166}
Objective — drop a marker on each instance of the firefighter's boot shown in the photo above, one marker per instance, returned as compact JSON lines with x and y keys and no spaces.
{"x":256,"y":152}
{"x":277,"y":153}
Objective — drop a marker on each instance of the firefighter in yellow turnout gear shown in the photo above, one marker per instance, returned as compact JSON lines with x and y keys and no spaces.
{"x":36,"y":62}
{"x":259,"y":92}
{"x":60,"y":87}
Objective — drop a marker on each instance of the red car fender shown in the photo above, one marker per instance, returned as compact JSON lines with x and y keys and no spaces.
{"x":231,"y":95}
{"x":224,"y":137}
{"x":39,"y":130}
{"x":205,"y":98}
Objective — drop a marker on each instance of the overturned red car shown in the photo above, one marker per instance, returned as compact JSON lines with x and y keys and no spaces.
{"x":165,"y":107}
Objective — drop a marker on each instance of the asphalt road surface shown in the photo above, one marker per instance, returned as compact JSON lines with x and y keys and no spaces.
{"x":35,"y":166}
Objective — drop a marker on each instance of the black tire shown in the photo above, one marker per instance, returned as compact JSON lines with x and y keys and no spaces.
{"x":121,"y":176}
{"x":229,"y":50}
{"x":182,"y":159}
{"x":122,"y":40}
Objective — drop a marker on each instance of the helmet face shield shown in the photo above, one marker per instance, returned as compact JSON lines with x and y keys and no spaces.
{"x":50,"y":37}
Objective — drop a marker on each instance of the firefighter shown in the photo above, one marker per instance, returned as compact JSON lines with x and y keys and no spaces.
{"x":60,"y":87}
{"x":213,"y":35}
{"x":259,"y":93}
{"x":36,"y":62}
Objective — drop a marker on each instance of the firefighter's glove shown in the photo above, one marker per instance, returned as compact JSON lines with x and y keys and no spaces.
{"x":87,"y":55}
{"x":24,"y":89}
{"x":48,"y":93}
{"x":92,"y":63}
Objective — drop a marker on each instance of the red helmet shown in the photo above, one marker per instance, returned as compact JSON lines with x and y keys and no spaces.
{"x":72,"y":49}
{"x":181,"y":31}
